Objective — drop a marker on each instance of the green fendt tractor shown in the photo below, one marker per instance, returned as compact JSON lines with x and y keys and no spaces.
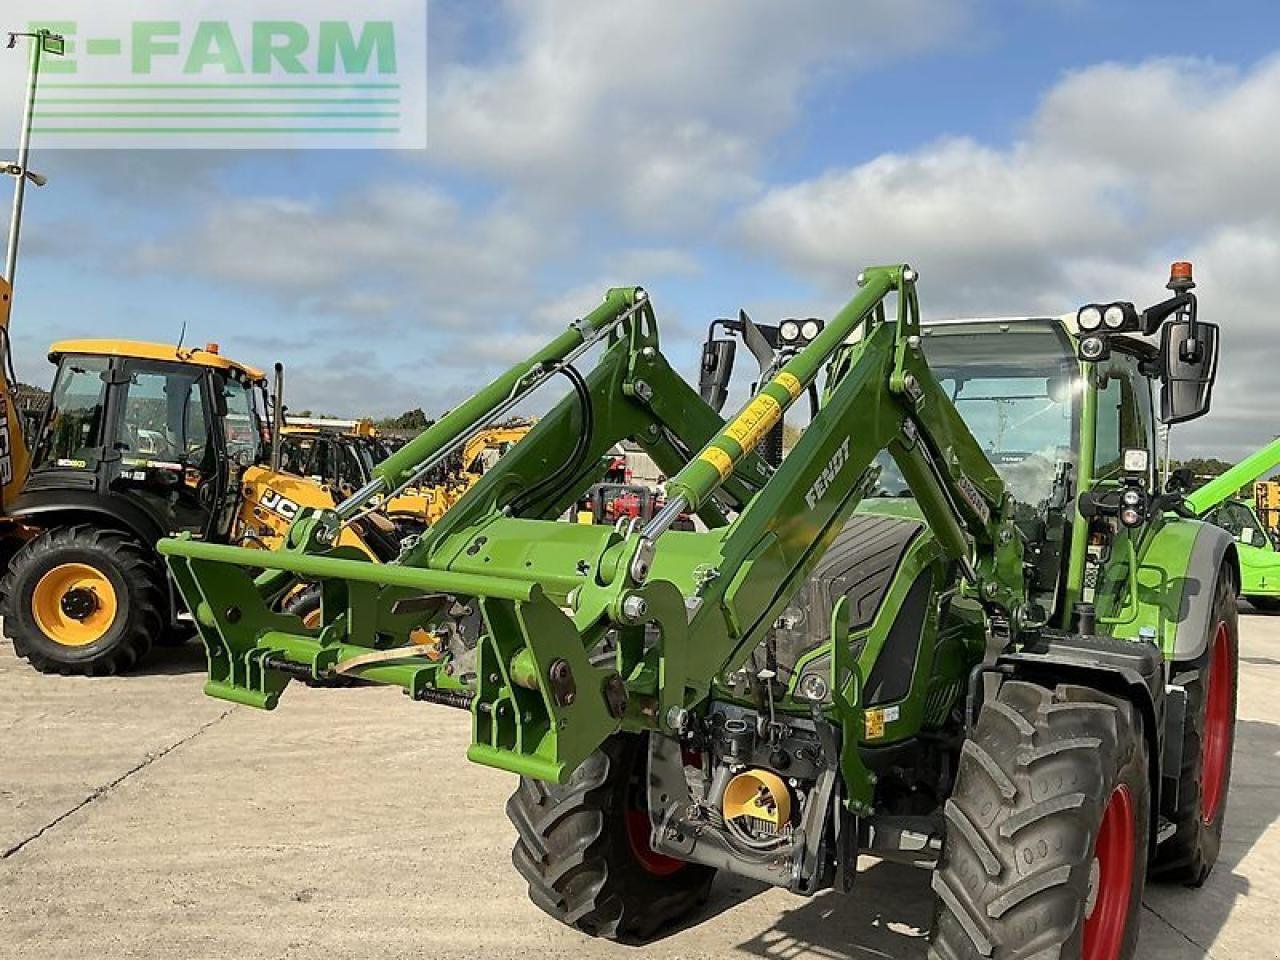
{"x":1258,"y":550}
{"x":955,"y":626}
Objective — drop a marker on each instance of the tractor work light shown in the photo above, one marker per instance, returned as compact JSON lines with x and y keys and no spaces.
{"x":1094,"y":348}
{"x":789,"y":331}
{"x":811,"y":328}
{"x":1113,"y":317}
{"x":1089,"y":318}
{"x":1133,"y":504}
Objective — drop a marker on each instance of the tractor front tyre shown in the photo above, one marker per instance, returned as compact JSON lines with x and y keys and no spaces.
{"x":82,"y":600}
{"x":1047,"y":830}
{"x":584,"y":849}
{"x":1208,"y":740}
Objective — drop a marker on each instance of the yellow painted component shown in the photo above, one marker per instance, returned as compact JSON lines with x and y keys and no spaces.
{"x":718,"y":459}
{"x":15,"y":458}
{"x":46,"y":604}
{"x":269,"y":502}
{"x":142,"y":350}
{"x":758,"y":794}
{"x":790,"y":383}
{"x":754,"y":422}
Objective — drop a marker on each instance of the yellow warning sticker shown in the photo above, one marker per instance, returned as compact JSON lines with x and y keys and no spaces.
{"x":790,"y":383}
{"x":751,"y":425}
{"x":873,"y":723}
{"x":718,"y":459}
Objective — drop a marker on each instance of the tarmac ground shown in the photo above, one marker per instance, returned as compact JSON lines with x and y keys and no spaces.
{"x":139,"y":818}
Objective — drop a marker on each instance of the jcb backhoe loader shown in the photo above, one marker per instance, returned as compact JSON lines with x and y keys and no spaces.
{"x":140,"y":441}
{"x":956,"y":626}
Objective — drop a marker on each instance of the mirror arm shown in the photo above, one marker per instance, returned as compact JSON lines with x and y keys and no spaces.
{"x":1154,"y":316}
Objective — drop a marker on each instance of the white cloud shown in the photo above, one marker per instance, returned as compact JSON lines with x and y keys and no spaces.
{"x":658,"y":109}
{"x":1121,"y":169}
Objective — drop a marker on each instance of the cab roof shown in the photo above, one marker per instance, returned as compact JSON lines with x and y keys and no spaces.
{"x":207,"y":356}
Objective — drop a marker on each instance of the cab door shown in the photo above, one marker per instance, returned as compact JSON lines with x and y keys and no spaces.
{"x":170,"y":454}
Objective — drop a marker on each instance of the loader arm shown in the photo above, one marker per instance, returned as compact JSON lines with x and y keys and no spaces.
{"x":555,"y":635}
{"x":1224,"y":487}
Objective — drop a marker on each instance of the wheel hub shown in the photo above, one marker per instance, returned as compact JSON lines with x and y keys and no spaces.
{"x":79,"y":603}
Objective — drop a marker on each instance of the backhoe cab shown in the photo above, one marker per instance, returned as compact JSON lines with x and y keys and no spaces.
{"x":956,"y":625}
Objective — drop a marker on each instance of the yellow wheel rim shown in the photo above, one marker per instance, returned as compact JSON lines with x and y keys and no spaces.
{"x":74,"y":604}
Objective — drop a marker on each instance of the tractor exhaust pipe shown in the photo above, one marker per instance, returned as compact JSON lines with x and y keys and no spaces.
{"x":277,"y":420}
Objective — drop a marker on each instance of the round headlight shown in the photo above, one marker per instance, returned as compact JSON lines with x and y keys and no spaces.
{"x":813,"y":686}
{"x":1131,"y":517}
{"x":810,"y":329}
{"x":789,"y":331}
{"x":1091,"y":348}
{"x":1131,"y":497}
{"x":1089,"y":318}
{"x":1113,"y":317}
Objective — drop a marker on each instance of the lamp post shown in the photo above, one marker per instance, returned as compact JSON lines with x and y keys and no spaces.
{"x":42,"y":41}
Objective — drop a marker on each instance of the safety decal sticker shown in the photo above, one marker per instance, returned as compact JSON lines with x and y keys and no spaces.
{"x":790,"y":383}
{"x":722,"y":462}
{"x":751,"y":425}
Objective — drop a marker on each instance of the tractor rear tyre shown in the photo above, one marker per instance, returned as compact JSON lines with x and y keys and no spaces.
{"x":584,"y":849}
{"x":1047,"y":830}
{"x":1208,"y":739}
{"x":82,"y":600}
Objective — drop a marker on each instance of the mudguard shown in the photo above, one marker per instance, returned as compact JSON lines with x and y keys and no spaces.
{"x":1177,"y":570}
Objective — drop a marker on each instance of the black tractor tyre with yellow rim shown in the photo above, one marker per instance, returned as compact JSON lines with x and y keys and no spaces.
{"x":83,"y":600}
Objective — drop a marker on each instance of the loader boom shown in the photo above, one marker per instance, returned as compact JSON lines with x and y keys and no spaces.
{"x":1224,"y":487}
{"x":579,"y":631}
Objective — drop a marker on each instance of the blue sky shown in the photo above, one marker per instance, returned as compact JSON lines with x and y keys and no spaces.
{"x":1026,"y":156}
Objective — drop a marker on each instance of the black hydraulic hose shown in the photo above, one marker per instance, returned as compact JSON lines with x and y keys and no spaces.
{"x":576,"y":459}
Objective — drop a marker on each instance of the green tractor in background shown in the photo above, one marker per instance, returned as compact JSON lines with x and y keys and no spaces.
{"x":957,"y":625}
{"x":1256,"y":546}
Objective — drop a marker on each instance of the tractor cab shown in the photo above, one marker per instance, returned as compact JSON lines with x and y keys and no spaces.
{"x":147,"y":432}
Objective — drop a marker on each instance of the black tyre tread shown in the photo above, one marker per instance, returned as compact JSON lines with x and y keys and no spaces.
{"x":1037,"y":768}
{"x":137,"y":565}
{"x":572,"y":851}
{"x":1188,"y":857}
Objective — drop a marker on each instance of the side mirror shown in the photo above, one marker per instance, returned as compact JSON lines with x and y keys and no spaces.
{"x":716,"y":370}
{"x":1190,"y":365}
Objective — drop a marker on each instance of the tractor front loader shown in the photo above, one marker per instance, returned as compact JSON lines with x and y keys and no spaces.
{"x":956,"y":626}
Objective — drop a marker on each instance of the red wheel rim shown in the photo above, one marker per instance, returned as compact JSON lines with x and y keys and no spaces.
{"x":1111,"y":882}
{"x":660,"y":865}
{"x":1216,"y":747}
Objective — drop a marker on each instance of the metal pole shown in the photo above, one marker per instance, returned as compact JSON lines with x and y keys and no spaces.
{"x":24,"y":151}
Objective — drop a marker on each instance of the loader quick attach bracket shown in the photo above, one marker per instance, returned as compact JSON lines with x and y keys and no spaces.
{"x":555,"y":635}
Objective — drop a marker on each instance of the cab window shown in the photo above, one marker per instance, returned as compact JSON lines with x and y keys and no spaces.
{"x":243,"y":423}
{"x":72,"y":435}
{"x":1242,"y":523}
{"x":1124,"y":414}
{"x":164,"y":418}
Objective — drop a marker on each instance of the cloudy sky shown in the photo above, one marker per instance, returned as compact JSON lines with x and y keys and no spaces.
{"x":1025,"y":156}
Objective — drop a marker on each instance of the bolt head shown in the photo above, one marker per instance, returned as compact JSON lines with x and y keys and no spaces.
{"x":634,"y":607}
{"x":678,"y":719}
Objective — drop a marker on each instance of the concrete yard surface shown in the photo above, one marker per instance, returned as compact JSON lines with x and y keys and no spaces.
{"x":139,"y":818}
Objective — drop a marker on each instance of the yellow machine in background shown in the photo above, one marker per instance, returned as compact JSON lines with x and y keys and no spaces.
{"x":140,"y":441}
{"x":1266,"y":496}
{"x":340,"y":455}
